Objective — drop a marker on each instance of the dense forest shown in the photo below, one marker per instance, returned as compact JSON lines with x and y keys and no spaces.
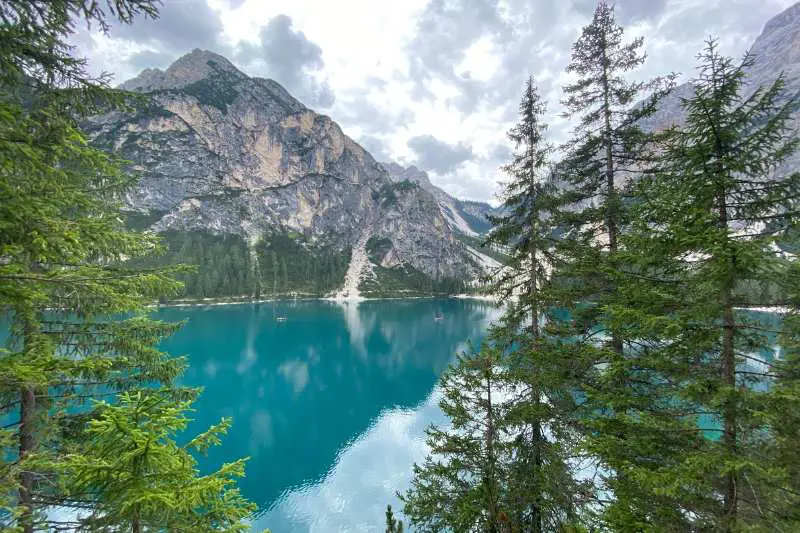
{"x":282,"y":265}
{"x":627,"y":387}
{"x":225,"y":266}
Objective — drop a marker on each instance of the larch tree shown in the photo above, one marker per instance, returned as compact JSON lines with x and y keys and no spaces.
{"x":695,"y":400}
{"x":606,"y":147}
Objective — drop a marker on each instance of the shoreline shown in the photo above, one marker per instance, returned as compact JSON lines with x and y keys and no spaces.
{"x":481,"y":297}
{"x":777,"y":309}
{"x":213,"y":302}
{"x":209,"y":302}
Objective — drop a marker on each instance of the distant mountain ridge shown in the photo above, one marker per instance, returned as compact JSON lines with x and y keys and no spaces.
{"x":464,"y":216}
{"x":225,"y":154}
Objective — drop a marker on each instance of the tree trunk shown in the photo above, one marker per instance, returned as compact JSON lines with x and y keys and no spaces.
{"x":491,"y":507}
{"x":26,"y":444}
{"x":537,"y":517}
{"x":533,"y":294}
{"x":27,"y":417}
{"x":536,"y":508}
{"x":728,"y":368}
{"x":611,"y":191}
{"x":729,"y":409}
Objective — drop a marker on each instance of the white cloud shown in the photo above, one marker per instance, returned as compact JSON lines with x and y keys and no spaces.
{"x":451,"y":70}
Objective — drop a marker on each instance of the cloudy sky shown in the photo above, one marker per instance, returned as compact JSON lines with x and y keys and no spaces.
{"x":434,"y":83}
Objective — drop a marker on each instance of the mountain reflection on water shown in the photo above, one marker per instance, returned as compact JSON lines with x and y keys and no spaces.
{"x":330,"y":404}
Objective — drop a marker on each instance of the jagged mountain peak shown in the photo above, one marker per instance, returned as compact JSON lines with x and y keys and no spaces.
{"x":214,"y":81}
{"x":223,"y":153}
{"x":190,"y":68}
{"x":466,"y":217}
{"x":410,"y":173}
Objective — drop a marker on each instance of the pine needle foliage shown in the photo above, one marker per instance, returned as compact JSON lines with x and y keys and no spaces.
{"x":460,"y":485}
{"x":689,"y":419}
{"x":606,"y":147}
{"x":75,"y":305}
{"x":543,"y":491}
{"x":135,"y":475}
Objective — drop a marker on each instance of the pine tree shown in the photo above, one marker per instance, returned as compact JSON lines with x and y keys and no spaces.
{"x":690,"y":422}
{"x":460,"y":487}
{"x":71,"y":295}
{"x":543,"y":491}
{"x":607,"y":147}
{"x":528,"y":201}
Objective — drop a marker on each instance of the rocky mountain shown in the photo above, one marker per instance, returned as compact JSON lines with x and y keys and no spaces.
{"x":234,"y":157}
{"x":463,"y":216}
{"x":776,"y":51}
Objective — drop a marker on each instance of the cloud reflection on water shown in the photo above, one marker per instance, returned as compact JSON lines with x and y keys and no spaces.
{"x":353,"y":495}
{"x":330,"y":404}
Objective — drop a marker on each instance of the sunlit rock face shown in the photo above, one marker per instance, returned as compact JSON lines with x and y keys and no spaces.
{"x":223,"y":152}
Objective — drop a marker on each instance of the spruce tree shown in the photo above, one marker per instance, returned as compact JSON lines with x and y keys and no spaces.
{"x":542,"y":491}
{"x":460,"y":486}
{"x":140,"y":479}
{"x":691,"y":431}
{"x":608,"y":147}
{"x":73,"y":299}
{"x":528,"y":202}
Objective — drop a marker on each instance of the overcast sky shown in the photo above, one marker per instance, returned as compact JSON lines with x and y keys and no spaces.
{"x":435,"y":83}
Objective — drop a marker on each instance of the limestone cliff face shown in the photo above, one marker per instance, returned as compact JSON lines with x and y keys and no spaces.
{"x":222,"y":152}
{"x":462,"y":216}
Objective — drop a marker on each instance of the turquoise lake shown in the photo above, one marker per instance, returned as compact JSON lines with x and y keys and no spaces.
{"x":330,"y":404}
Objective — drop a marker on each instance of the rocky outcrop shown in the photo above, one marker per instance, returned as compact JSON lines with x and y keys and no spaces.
{"x":222,"y":152}
{"x":463,"y":216}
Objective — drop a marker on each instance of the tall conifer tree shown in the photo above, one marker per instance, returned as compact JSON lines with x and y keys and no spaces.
{"x":606,"y":147}
{"x":690,"y":425}
{"x":461,"y":484}
{"x":68,"y":290}
{"x":542,"y":491}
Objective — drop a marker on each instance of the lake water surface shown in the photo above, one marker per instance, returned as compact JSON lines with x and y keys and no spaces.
{"x":329,"y":401}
